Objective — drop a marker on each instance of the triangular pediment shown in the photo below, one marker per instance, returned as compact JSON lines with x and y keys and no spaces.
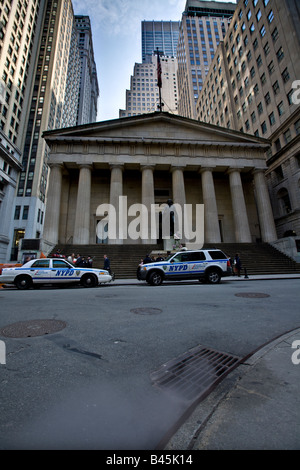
{"x":156,"y":126}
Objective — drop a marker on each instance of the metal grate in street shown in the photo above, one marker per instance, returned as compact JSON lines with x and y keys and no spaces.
{"x":193,"y":375}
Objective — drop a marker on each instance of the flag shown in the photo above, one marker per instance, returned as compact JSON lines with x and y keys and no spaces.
{"x":159,"y":80}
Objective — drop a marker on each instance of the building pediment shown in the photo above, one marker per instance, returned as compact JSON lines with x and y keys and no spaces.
{"x":156,"y":127}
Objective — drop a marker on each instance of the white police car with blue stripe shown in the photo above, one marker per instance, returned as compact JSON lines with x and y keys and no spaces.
{"x":52,"y":271}
{"x":203,"y":265}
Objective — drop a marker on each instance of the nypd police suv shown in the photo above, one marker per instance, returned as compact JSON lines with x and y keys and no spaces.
{"x":204,"y":265}
{"x":52,"y":271}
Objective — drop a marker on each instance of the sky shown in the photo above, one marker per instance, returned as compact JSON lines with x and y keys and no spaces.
{"x":116,"y":31}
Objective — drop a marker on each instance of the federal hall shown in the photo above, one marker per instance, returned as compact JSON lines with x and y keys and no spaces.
{"x":150,"y":159}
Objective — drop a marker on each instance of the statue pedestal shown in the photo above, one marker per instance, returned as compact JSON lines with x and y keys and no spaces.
{"x":168,"y":244}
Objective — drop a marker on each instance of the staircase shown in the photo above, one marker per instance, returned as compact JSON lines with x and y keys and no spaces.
{"x":260,"y":258}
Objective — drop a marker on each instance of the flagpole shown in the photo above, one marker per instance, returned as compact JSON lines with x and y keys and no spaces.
{"x":159,"y":79}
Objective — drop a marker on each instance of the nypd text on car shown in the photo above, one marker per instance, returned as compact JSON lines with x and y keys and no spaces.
{"x":205,"y":265}
{"x":52,"y":271}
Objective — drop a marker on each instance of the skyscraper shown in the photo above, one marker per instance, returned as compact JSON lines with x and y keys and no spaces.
{"x":203,"y":26}
{"x":89,"y":90}
{"x":20,"y":25}
{"x":251,"y":88}
{"x":161,"y":35}
{"x":143,"y":96}
{"x":48,"y":87}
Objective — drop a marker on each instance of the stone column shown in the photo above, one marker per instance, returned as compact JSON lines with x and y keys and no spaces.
{"x":116,"y":191}
{"x":147,"y":199}
{"x":265,"y":214}
{"x":211,"y":220}
{"x":179,"y":195}
{"x":51,"y":225}
{"x":241,"y":223}
{"x":83,"y":209}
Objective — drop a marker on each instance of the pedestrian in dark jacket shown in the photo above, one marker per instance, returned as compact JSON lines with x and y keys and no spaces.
{"x":237,"y":265}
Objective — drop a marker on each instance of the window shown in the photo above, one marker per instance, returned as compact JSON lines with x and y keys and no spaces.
{"x":271,"y":67}
{"x":285,"y":75}
{"x":17,"y":212}
{"x":280,"y":54}
{"x":284,"y":201}
{"x":280,"y":108}
{"x":287,"y":136}
{"x":297,"y":127}
{"x":252,"y":28}
{"x":259,"y":61}
{"x":267,"y":98}
{"x":272,"y":118}
{"x":260,"y":108}
{"x":264,"y":127}
{"x":25,"y":212}
{"x":275,"y":34}
{"x":262,"y":31}
{"x":267,"y":49}
{"x":41,"y":263}
{"x":276,"y":87}
{"x":258,"y":15}
{"x":271,"y":16}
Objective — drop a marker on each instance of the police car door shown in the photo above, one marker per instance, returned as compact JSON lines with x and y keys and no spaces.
{"x":62,"y":271}
{"x":40,"y":271}
{"x":197,"y":264}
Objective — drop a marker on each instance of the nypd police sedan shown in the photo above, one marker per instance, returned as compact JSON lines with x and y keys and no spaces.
{"x":52,"y":271}
{"x":203,"y":265}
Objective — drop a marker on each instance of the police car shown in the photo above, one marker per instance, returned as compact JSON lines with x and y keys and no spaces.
{"x":52,"y":271}
{"x":204,"y":265}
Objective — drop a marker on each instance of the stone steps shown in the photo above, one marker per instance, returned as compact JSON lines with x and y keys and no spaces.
{"x":260,"y":258}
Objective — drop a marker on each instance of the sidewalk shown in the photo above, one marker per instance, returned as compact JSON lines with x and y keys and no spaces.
{"x":256,"y":407}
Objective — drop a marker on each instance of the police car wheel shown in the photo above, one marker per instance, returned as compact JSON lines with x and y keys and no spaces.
{"x":88,"y":281}
{"x":155,"y":279}
{"x":213,"y":277}
{"x":23,"y":282}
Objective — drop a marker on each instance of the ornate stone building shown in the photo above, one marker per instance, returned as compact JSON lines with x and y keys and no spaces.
{"x":152,"y":158}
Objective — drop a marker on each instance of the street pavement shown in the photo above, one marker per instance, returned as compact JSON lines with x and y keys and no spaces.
{"x":257,"y":406}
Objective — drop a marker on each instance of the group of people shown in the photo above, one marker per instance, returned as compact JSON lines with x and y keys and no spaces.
{"x":147,"y":260}
{"x":81,"y":261}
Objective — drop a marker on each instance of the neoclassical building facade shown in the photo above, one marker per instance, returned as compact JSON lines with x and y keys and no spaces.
{"x":150,"y":159}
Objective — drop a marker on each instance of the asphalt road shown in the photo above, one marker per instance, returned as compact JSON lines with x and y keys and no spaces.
{"x":88,"y":386}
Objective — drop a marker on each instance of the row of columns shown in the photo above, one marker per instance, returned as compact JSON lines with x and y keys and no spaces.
{"x":211,"y":220}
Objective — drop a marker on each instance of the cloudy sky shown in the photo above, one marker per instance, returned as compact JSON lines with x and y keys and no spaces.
{"x":116,"y":29}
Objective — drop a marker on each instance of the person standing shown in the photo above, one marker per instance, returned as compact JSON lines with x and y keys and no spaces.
{"x":106,"y":263}
{"x":237,"y":264}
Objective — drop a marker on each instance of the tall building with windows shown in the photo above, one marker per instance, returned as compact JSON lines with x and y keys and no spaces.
{"x":44,"y":75}
{"x":143,"y":96}
{"x":20,"y":26}
{"x":204,"y":24}
{"x":89,"y":89}
{"x":251,"y":87}
{"x":161,"y":35}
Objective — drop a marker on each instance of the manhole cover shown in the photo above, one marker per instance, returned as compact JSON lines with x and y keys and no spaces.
{"x":31,"y":328}
{"x":146,"y":311}
{"x":252,"y":295}
{"x":192,"y":375}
